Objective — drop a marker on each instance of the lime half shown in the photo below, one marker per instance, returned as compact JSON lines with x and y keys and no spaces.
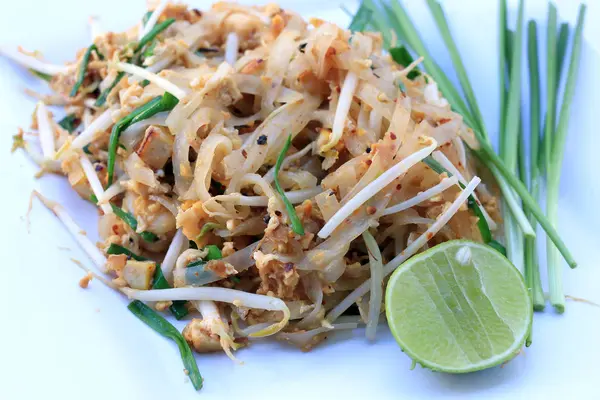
{"x":458,"y":307}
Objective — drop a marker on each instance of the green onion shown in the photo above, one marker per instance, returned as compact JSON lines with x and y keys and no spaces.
{"x":196,"y":264}
{"x":115,"y":249}
{"x":178,"y":308}
{"x":532,"y":273}
{"x":150,"y":36}
{"x":214,"y":253}
{"x":502,"y":66}
{"x":68,"y":123}
{"x":402,"y":56}
{"x":146,"y":17}
{"x":149,"y":51}
{"x":361,"y":19}
{"x":296,"y":223}
{"x":209,"y":226}
{"x":41,"y":75}
{"x":482,"y":224}
{"x":83,"y":68}
{"x":442,"y":23}
{"x":163,"y":327}
{"x":104,"y":95}
{"x":551,"y":82}
{"x":130,"y":220}
{"x":555,"y":160}
{"x":158,"y":104}
{"x":93,"y":198}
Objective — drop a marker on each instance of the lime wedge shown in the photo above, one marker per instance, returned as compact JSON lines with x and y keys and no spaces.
{"x":458,"y":307}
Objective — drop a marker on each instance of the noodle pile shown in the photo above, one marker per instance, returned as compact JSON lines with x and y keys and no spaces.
{"x":244,"y":81}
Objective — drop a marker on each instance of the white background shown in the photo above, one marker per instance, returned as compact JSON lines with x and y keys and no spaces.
{"x":60,"y":341}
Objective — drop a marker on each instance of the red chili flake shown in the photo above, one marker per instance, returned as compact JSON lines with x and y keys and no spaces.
{"x":444,"y":121}
{"x":371,"y":210}
{"x":429,"y":235}
{"x":392,"y":135}
{"x":368,"y":162}
{"x":244,"y":153}
{"x":398,"y":186}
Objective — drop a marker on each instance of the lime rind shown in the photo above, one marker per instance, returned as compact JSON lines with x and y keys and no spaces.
{"x":458,"y":307}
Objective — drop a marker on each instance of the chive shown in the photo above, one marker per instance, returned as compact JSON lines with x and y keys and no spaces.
{"x":144,"y":83}
{"x":83,"y":68}
{"x":235,"y":279}
{"x":69,"y":123}
{"x":146,"y":17}
{"x":402,"y":56}
{"x":164,"y":328}
{"x":130,"y":220}
{"x":158,"y":104}
{"x":561,"y":48}
{"x":104,"y":95}
{"x":502,"y":66}
{"x":482,"y":224}
{"x":296,"y":223}
{"x":93,"y":198}
{"x":442,"y":24}
{"x":116,"y":250}
{"x":553,"y":170}
{"x":532,"y":274}
{"x":149,"y":51}
{"x":196,"y":264}
{"x":361,"y":19}
{"x":551,"y":83}
{"x":150,"y":36}
{"x":149,"y":237}
{"x":214,"y":253}
{"x":178,"y":308}
{"x":41,"y":75}
{"x":209,"y":226}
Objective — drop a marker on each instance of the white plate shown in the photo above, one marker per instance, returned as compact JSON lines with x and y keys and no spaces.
{"x":60,"y":341}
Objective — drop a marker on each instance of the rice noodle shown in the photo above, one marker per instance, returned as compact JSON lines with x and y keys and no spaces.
{"x":303,"y":339}
{"x":374,"y":187}
{"x":440,"y":222}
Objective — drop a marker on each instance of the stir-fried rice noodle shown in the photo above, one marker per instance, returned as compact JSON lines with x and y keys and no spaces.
{"x":298,"y":240}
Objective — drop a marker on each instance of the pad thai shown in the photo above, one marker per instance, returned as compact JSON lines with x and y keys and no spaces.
{"x":255,"y":174}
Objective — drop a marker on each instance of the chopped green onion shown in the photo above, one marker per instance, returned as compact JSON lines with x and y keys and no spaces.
{"x":214,"y":253}
{"x":93,"y":198}
{"x":149,"y":51}
{"x":178,"y":308}
{"x":158,"y":104}
{"x":150,"y":36}
{"x":83,"y":68}
{"x":41,"y":75}
{"x":104,"y":95}
{"x":402,"y":56}
{"x":551,"y":83}
{"x":164,"y":328}
{"x":115,"y":249}
{"x":68,"y":123}
{"x":554,"y":167}
{"x":130,"y":220}
{"x":296,"y":223}
{"x":209,"y":226}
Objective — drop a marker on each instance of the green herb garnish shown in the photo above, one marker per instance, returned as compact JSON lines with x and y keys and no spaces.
{"x":296,"y":223}
{"x":69,"y":123}
{"x":207,"y":227}
{"x":41,"y":75}
{"x":163,"y":327}
{"x":130,"y":220}
{"x":115,"y":249}
{"x":401,"y":56}
{"x":158,"y":104}
{"x":178,"y":308}
{"x":93,"y":198}
{"x":214,"y":253}
{"x":83,"y":68}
